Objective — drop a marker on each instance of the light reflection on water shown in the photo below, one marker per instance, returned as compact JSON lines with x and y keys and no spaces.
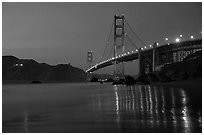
{"x":155,"y":109}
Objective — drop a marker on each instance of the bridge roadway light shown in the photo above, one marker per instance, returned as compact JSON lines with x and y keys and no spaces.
{"x":150,"y":45}
{"x":177,"y":40}
{"x":136,"y":50}
{"x":180,"y":36}
{"x":192,"y":37}
{"x":145,"y":47}
{"x":132,"y":51}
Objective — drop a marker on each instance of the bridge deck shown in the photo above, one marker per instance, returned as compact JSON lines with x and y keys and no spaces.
{"x":174,"y":47}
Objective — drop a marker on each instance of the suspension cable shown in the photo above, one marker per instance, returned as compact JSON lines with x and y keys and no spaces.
{"x":107,"y":43}
{"x":134,"y":32}
{"x":131,"y":41}
{"x":111,"y":51}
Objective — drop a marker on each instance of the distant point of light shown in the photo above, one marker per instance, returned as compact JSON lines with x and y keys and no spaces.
{"x":192,"y":37}
{"x":132,"y":51}
{"x":141,"y":48}
{"x":128,"y":52}
{"x":166,"y":39}
{"x":21,"y":65}
{"x":180,"y":36}
{"x":136,"y":50}
{"x":122,"y":55}
{"x":150,"y":45}
{"x":157,"y":43}
{"x":145,"y":47}
{"x":168,"y":44}
{"x":177,"y":40}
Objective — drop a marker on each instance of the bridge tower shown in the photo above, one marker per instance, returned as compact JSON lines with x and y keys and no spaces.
{"x":119,"y":44}
{"x":89,"y":63}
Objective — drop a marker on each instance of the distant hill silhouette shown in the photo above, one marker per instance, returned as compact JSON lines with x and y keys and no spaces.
{"x":27,"y":69}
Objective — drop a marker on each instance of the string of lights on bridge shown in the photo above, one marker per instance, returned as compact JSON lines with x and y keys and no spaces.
{"x":146,"y":47}
{"x":177,"y":40}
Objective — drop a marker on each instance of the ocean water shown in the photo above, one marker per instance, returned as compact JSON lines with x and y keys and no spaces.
{"x":98,"y":108}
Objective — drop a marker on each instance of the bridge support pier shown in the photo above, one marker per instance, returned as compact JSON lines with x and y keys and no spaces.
{"x":154,"y":57}
{"x":147,"y":62}
{"x":140,"y":62}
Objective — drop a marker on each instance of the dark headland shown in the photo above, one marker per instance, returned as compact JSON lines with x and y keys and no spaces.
{"x":15,"y":70}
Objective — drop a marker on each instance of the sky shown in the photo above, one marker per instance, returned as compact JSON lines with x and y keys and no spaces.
{"x":59,"y":33}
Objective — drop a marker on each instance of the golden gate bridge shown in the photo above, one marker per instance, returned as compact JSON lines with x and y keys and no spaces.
{"x":149,"y":57}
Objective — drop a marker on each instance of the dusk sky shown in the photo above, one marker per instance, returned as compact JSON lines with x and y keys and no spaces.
{"x":57,"y":33}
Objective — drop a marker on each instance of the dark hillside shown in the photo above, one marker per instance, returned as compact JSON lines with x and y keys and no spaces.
{"x":28,"y":69}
